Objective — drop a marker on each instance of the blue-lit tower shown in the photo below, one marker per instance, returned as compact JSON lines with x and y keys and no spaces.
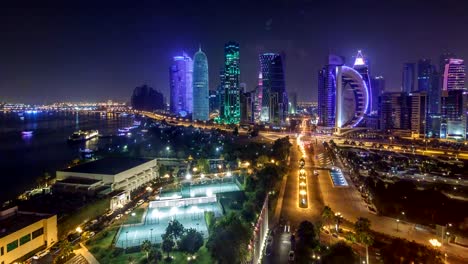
{"x":361,"y":65}
{"x":180,"y":78}
{"x":201,"y":108}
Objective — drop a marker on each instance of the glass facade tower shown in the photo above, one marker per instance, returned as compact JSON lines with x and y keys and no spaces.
{"x":274,"y":96}
{"x":409,"y":73}
{"x":180,"y":76}
{"x":201,"y":107}
{"x":230,"y":109}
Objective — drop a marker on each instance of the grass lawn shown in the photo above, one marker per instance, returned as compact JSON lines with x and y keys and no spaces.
{"x":101,"y":247}
{"x":202,"y":257}
{"x":137,"y":218}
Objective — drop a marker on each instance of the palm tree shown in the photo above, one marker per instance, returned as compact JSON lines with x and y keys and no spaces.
{"x":146,"y":247}
{"x":131,"y":260}
{"x":363,"y":234}
{"x":327,"y":215}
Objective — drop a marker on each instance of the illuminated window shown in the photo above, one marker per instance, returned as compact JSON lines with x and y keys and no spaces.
{"x":37,"y":233}
{"x":25,"y":239}
{"x":12,"y":245}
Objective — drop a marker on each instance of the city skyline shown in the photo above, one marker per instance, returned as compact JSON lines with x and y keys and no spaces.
{"x":82,"y":49}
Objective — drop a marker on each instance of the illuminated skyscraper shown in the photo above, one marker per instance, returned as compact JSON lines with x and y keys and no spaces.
{"x":200,"y":87}
{"x":343,"y":97}
{"x":428,"y":81}
{"x":274,"y":96}
{"x":180,"y":75}
{"x":230,"y":105}
{"x":453,"y":96}
{"x":454,"y":75}
{"x":258,"y":99}
{"x":409,"y":73}
{"x":326,"y":96}
{"x":361,"y":65}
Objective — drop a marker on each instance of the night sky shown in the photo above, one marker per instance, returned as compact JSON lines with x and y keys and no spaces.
{"x":56,"y":52}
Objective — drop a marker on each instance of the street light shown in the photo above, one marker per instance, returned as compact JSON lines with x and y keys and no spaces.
{"x":397,"y":222}
{"x":338,"y":219}
{"x":126,"y":239}
{"x":151,"y":234}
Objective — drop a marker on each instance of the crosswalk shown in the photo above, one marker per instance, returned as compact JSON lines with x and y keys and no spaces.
{"x":78,"y":259}
{"x":324,"y":160}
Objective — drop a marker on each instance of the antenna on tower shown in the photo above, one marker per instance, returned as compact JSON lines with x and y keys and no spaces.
{"x":359,"y":59}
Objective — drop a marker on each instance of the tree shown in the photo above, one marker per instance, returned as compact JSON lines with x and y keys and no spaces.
{"x":248,"y":211}
{"x":66,"y":251}
{"x":167,"y":243}
{"x":363,"y":234}
{"x":262,"y":160}
{"x":229,"y":240}
{"x":131,"y":259}
{"x":146,"y":247}
{"x":175,"y":229}
{"x":306,"y":233}
{"x":327,"y":215}
{"x":203,"y":165}
{"x":339,"y":253}
{"x":191,"y":241}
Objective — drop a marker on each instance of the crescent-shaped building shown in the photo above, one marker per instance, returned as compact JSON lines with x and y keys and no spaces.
{"x":343,"y":95}
{"x":353,"y":82}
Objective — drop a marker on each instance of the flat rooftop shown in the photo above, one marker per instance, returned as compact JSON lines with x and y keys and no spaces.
{"x":19,"y":221}
{"x":108,"y":165}
{"x":76,"y":180}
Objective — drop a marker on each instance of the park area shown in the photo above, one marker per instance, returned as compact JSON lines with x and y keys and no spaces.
{"x":192,"y":205}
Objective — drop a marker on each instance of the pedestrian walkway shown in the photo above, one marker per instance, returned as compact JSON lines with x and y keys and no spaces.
{"x":83,"y":251}
{"x":77,"y":259}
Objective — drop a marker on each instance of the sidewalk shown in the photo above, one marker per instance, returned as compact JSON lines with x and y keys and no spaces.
{"x":86,"y":254}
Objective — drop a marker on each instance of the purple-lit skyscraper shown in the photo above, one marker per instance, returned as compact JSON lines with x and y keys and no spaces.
{"x":180,"y":75}
{"x":361,"y":65}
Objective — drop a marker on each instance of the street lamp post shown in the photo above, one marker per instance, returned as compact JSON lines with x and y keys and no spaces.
{"x":126,"y":239}
{"x":338,"y":220}
{"x":151,"y":234}
{"x":397,"y":222}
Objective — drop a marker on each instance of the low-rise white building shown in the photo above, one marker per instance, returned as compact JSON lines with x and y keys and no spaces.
{"x":25,"y":233}
{"x":116,"y":173}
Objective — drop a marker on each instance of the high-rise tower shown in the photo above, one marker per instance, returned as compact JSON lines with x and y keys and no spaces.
{"x":408,"y":76}
{"x":428,"y":81}
{"x":230,"y":113}
{"x":200,"y":87}
{"x":180,"y":75}
{"x":275,"y":99}
{"x":361,"y":65}
{"x":454,"y":75}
